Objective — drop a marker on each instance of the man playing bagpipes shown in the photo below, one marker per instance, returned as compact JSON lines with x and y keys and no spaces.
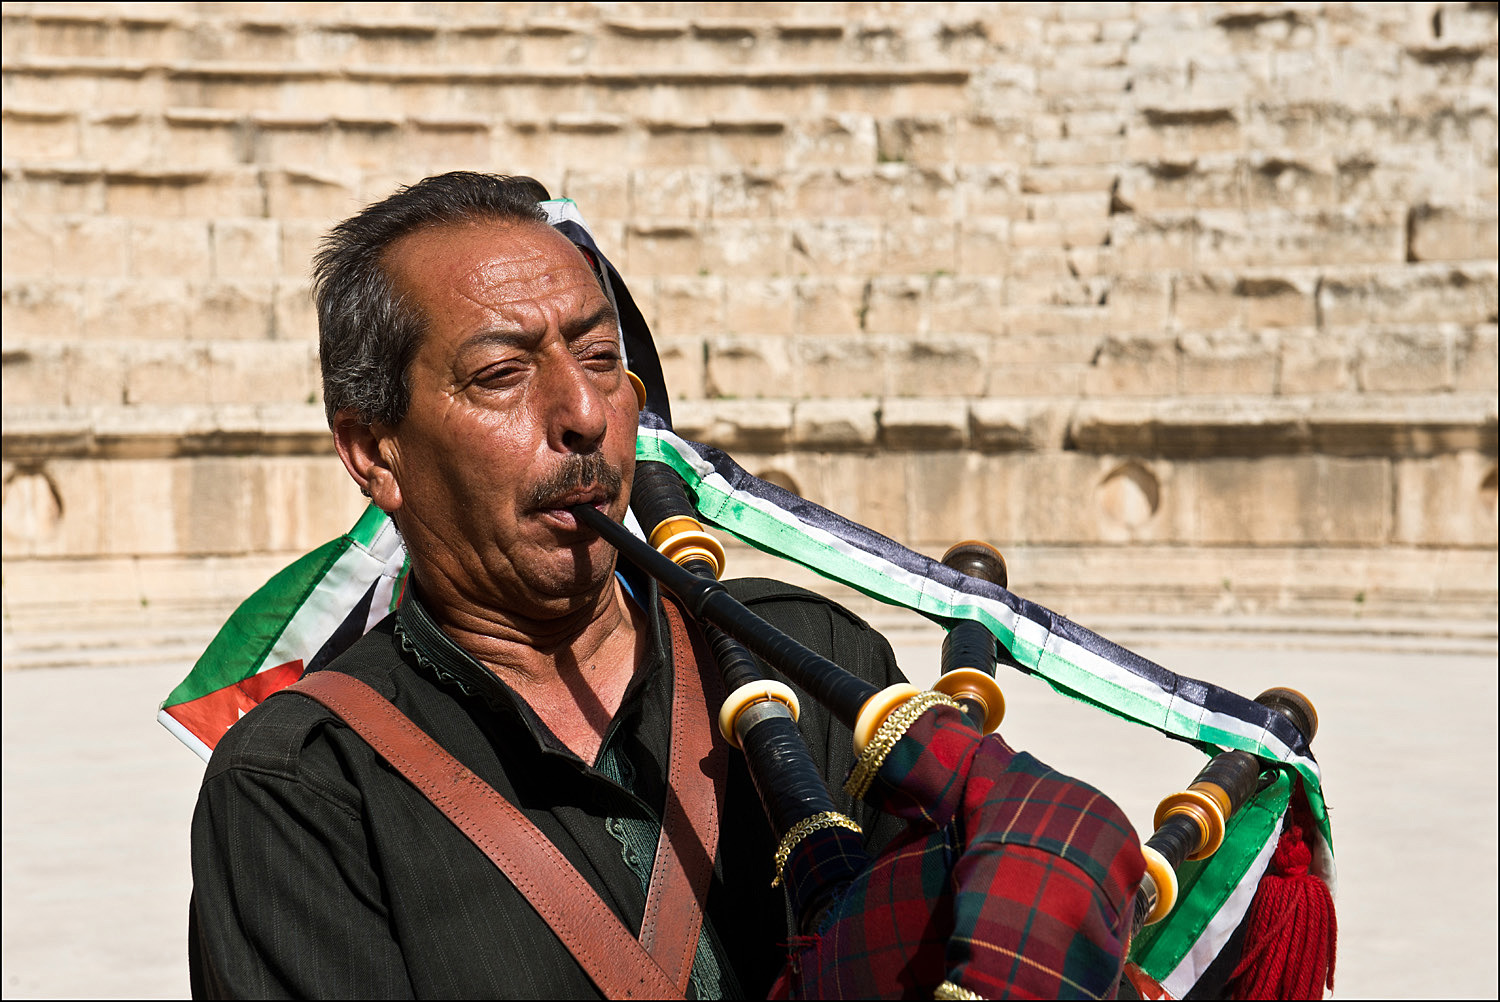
{"x":519,"y":781}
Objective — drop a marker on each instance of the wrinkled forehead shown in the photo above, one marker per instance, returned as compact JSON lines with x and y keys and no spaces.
{"x":489,"y":263}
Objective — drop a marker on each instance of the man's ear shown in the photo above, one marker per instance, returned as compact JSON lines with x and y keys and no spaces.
{"x":359,"y":446}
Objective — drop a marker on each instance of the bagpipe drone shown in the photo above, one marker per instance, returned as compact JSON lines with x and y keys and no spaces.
{"x":1237,"y":875}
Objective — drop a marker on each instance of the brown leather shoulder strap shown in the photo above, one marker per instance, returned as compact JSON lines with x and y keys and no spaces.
{"x":603,"y":947}
{"x":696,"y":775}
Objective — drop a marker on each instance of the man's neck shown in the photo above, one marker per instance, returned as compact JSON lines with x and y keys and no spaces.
{"x":572,"y":670}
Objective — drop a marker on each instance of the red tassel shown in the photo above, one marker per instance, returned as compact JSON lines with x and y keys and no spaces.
{"x":1291,"y":939}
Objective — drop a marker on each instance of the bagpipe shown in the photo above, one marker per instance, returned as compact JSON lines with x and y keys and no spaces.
{"x":1232,"y":888}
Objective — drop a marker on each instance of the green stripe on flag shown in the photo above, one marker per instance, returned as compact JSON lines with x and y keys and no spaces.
{"x":251,"y":633}
{"x":371,"y":523}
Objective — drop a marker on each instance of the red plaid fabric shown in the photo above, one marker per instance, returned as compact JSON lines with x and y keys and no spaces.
{"x":1013,"y":881}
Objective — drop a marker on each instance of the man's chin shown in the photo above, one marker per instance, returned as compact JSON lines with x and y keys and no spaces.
{"x":574,"y":576}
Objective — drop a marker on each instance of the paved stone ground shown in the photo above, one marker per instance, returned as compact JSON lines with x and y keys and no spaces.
{"x":98,"y":799}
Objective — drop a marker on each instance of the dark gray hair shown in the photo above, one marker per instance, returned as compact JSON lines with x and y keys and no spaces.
{"x":367,"y":334}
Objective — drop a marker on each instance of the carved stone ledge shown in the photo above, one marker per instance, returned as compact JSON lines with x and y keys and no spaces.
{"x":1224,"y":427}
{"x":146,"y":432}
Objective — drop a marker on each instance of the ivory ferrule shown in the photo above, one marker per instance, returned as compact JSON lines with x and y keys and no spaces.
{"x":1163,"y":885}
{"x":749,"y":695}
{"x":978,"y":685}
{"x":681,"y":539}
{"x":876,"y":709}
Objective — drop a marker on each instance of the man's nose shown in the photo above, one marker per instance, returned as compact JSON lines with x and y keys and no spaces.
{"x":575,"y":406}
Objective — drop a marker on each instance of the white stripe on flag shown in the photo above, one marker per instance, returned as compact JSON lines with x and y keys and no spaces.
{"x":184,"y":735}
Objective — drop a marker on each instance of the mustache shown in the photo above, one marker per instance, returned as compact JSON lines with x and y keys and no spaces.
{"x":576,"y":473}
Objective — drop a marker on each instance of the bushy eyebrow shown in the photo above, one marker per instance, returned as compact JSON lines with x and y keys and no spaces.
{"x":495,"y":338}
{"x":602,"y":315}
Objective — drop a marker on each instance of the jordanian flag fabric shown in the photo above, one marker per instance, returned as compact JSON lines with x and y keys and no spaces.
{"x":1074,"y":661}
{"x":298,"y":621}
{"x":314,"y":609}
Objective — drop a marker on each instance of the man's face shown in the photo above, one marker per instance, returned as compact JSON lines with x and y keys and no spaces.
{"x":520,"y":407}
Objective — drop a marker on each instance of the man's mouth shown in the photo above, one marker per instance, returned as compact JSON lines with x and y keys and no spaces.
{"x":584,"y":480}
{"x":593,"y":495}
{"x":558,"y":511}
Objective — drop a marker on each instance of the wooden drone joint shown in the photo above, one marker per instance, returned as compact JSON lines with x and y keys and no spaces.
{"x":1217,"y":794}
{"x":1202,"y":809}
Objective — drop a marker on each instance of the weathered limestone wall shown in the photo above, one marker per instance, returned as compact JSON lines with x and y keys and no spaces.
{"x":1188,"y":307}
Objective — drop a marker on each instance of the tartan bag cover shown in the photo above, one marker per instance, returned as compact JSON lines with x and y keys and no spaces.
{"x":1012,"y":880}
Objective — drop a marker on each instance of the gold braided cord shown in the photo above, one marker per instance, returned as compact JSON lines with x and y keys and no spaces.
{"x":804,"y":828}
{"x":948,"y":990}
{"x":891,"y":730}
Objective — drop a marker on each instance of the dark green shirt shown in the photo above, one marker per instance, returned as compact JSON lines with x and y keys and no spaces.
{"x":320,"y":872}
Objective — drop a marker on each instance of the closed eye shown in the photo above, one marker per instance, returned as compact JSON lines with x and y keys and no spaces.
{"x":499,"y":376}
{"x":602,"y":360}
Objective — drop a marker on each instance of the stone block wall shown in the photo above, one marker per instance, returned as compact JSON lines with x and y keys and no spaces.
{"x":1189,"y":307}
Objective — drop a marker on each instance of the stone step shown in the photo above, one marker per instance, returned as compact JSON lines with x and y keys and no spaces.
{"x":179,"y":659}
{"x":192,"y":631}
{"x":1349,"y":426}
{"x":864,"y":128}
{"x":123,"y":374}
{"x":484,"y":34}
{"x":1269,"y":633}
{"x":28,"y":71}
{"x":859,"y":123}
{"x":180,"y":639}
{"x":156,"y":431}
{"x":1326,"y":633}
{"x":1447,"y":636}
{"x":893,"y":248}
{"x":172,"y":640}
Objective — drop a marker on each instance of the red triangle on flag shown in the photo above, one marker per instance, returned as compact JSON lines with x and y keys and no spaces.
{"x":208,"y":717}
